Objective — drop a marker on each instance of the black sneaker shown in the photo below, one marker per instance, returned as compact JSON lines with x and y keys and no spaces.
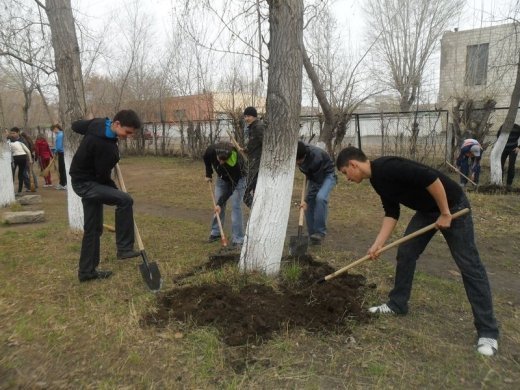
{"x":316,"y":239}
{"x":95,"y":275}
{"x":213,"y":238}
{"x":128,"y":254}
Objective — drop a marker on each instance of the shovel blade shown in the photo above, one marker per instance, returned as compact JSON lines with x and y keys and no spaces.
{"x":150,"y":272}
{"x":298,"y":245}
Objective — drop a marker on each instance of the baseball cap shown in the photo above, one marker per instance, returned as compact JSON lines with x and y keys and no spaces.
{"x":475,"y":149}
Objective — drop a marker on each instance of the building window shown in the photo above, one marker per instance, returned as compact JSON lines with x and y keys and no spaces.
{"x":476,"y":64}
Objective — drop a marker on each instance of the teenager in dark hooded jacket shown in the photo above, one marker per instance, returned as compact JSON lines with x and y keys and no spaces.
{"x":90,"y":173}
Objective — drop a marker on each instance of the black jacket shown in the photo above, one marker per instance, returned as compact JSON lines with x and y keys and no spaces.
{"x":256,"y":137}
{"x":97,"y":153}
{"x":317,"y":164}
{"x":230,"y":174}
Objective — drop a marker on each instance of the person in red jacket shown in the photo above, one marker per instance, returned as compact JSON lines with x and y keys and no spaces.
{"x":42,"y":153}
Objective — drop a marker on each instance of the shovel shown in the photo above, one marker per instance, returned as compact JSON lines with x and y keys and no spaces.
{"x":460,"y":173}
{"x":298,"y":244}
{"x":222,"y":235}
{"x":149,"y":270}
{"x":390,"y":246}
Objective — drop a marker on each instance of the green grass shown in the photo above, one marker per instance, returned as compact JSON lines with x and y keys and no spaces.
{"x":57,"y":333}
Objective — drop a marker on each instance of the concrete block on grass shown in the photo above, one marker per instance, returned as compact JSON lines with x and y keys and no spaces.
{"x":29,"y":199}
{"x":16,"y":217}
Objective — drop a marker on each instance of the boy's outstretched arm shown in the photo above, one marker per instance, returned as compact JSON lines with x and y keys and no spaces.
{"x":387,"y":227}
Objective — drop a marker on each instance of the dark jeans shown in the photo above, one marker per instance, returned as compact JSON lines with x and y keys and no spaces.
{"x":94,"y":196}
{"x":21,"y":163}
{"x":61,"y":169}
{"x":465,"y":165}
{"x":461,"y":241}
{"x":511,"y":166}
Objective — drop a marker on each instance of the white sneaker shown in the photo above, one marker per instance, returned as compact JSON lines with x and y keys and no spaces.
{"x":382,"y":309}
{"x":487,"y":346}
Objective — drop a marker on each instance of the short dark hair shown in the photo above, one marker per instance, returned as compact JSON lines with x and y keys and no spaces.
{"x":56,"y":126}
{"x":251,"y":111}
{"x":15,"y":130}
{"x":223,"y":150}
{"x":347,"y":154}
{"x":301,"y":151}
{"x":128,"y":118}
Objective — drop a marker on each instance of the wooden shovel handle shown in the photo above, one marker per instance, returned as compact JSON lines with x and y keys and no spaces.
{"x":222,"y":235}
{"x":237,"y":146}
{"x":300,"y":220}
{"x":408,"y":237}
{"x":460,"y":173}
{"x":123,"y":188}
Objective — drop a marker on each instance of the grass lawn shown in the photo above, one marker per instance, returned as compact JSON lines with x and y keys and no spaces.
{"x":57,"y":333}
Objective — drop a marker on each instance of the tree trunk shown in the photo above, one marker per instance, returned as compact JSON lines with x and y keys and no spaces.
{"x":72,"y":104}
{"x":326,"y":133}
{"x":6,"y":178}
{"x":496,"y":153}
{"x":266,"y":229}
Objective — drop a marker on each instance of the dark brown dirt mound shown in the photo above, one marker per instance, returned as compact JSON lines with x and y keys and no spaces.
{"x":252,"y":314}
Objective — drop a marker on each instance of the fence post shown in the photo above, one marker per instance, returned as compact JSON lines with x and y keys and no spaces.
{"x":358,"y":130}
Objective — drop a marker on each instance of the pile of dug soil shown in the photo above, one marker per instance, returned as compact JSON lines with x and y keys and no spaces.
{"x":255,"y":312}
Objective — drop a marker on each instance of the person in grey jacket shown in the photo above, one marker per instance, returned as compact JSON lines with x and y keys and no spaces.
{"x":318,"y":167}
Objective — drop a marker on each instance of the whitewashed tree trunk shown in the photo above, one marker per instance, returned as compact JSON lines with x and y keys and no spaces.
{"x":267,"y":225}
{"x":6,"y":176}
{"x":72,"y":104}
{"x":494,"y":159}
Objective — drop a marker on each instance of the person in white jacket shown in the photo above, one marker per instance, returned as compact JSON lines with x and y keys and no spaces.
{"x":21,"y":155}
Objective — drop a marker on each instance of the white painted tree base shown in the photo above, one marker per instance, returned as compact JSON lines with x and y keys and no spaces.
{"x":494,"y":159}
{"x":6,"y":176}
{"x":74,"y":205}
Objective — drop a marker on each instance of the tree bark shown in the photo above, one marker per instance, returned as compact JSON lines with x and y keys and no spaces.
{"x":72,"y":104}
{"x":6,"y":178}
{"x":266,"y":229}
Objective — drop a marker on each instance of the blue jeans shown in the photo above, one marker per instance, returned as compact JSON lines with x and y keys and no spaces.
{"x":461,"y":241}
{"x":237,"y":225}
{"x":318,"y":205}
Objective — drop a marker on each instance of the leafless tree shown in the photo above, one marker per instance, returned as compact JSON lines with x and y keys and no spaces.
{"x":266,"y":228}
{"x":407,"y":32}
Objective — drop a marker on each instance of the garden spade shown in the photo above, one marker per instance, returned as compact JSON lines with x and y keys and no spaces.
{"x":298,"y":244}
{"x":222,"y":235}
{"x":408,"y":237}
{"x":149,"y":270}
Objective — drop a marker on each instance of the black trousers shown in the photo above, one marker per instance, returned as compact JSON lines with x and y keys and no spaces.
{"x":21,"y":163}
{"x":61,"y":169}
{"x":94,"y":196}
{"x":252,"y":178}
{"x":511,"y":166}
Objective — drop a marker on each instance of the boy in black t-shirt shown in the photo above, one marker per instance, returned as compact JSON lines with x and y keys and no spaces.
{"x":434,"y":197}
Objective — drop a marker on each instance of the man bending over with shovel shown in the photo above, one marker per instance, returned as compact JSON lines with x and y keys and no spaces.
{"x":435,"y":197}
{"x":318,"y":168}
{"x":224,"y":159}
{"x":90,"y":172}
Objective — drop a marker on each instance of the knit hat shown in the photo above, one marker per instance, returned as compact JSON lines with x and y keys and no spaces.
{"x":251,"y":111}
{"x":475,"y":150}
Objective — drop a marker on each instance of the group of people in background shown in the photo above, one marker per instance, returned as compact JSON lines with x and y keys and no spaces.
{"x":25,"y":152}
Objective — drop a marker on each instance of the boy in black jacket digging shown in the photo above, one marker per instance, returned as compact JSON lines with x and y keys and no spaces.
{"x":90,"y":172}
{"x":434,"y":197}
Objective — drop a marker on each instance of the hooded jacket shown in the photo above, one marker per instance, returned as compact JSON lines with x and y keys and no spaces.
{"x":42,"y":149}
{"x":97,"y":154}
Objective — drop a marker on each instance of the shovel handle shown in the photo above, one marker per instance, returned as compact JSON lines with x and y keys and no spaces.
{"x":408,"y":237}
{"x":300,"y":220}
{"x":123,"y":188}
{"x":237,"y":146}
{"x":221,"y":229}
{"x":460,"y":173}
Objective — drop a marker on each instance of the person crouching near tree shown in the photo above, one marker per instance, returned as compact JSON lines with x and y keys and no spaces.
{"x":318,"y":167}
{"x":42,"y":152}
{"x":229,"y":166}
{"x":90,"y":170}
{"x":468,"y":161}
{"x":434,"y":197}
